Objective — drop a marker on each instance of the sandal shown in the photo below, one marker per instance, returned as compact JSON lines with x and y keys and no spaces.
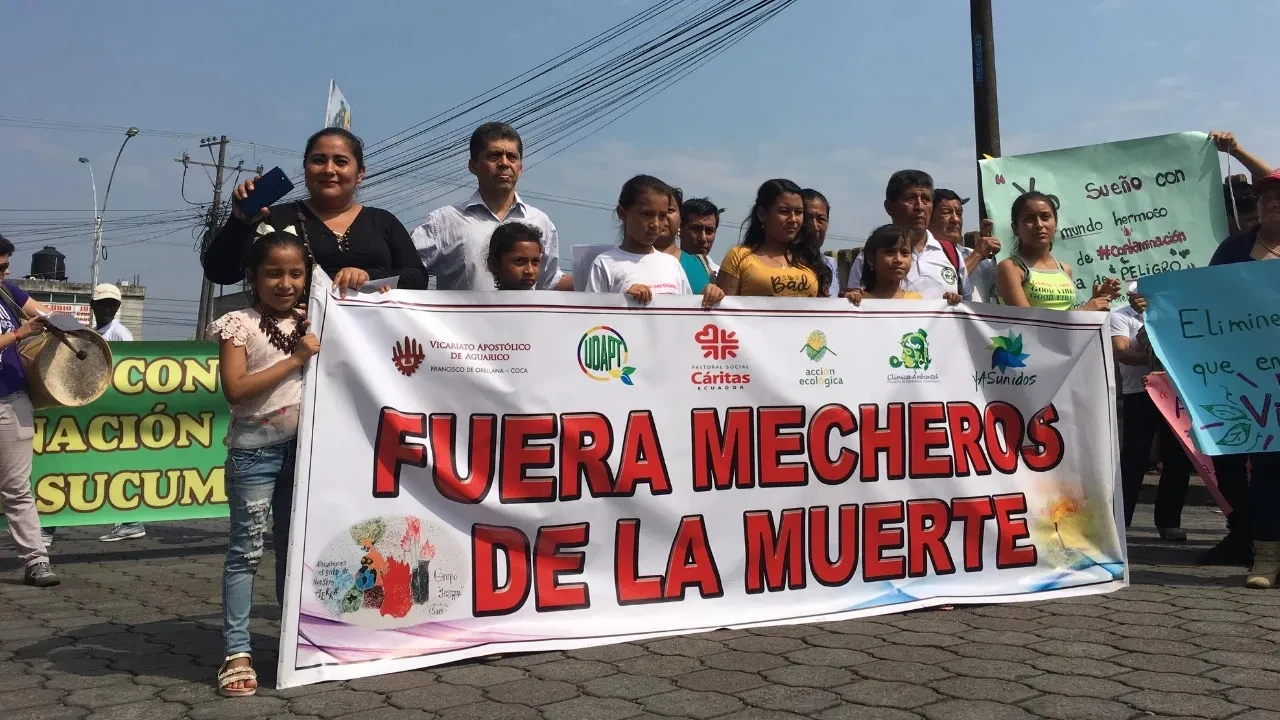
{"x":229,"y":675}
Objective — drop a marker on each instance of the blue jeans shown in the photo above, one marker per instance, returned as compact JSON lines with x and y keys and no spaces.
{"x":258,"y":481}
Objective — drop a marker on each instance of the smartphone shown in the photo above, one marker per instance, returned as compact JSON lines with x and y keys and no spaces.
{"x":266,"y":191}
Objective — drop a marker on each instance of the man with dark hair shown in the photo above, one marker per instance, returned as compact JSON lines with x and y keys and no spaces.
{"x":817,"y":215}
{"x":454,"y":240}
{"x":699,"y":222}
{"x":695,"y":267}
{"x":17,"y":427}
{"x":978,"y":249}
{"x":936,"y":267}
{"x":1242,"y":204}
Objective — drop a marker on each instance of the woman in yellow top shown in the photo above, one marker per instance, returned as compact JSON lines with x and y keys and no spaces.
{"x":886,"y":261}
{"x":1032,"y":276}
{"x":779,"y":255}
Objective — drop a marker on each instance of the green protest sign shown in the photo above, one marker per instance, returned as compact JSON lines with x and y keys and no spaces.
{"x":1125,"y":209}
{"x":150,"y":449}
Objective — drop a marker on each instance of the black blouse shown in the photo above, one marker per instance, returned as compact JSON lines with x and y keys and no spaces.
{"x":376,"y":243}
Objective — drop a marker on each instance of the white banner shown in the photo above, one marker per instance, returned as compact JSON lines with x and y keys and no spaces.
{"x":488,"y":473}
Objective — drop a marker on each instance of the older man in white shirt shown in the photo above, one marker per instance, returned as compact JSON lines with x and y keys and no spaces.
{"x":454,"y":240}
{"x":937,"y":267}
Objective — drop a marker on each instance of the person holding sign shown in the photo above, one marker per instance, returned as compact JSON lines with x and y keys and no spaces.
{"x":1261,"y":512}
{"x":779,"y":255}
{"x":888,"y":253}
{"x":515,"y":256}
{"x":1032,"y":276}
{"x":1142,"y":423}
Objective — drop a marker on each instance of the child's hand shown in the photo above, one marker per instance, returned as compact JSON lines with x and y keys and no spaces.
{"x":641,"y":293}
{"x":952,"y":298}
{"x":711,"y":296}
{"x":855,"y":296}
{"x":308,"y":346}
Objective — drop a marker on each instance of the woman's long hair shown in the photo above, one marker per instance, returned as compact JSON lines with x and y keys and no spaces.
{"x":804,"y":251}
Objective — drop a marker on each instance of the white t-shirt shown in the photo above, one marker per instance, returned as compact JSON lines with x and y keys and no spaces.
{"x":114,"y":331}
{"x":613,"y":271}
{"x":983,"y":279}
{"x":931,"y":274}
{"x":1125,"y":322}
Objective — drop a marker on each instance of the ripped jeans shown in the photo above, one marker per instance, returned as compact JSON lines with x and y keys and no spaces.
{"x":259,"y":482}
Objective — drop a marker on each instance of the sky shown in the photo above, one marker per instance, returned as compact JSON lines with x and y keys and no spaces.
{"x":832,"y":94}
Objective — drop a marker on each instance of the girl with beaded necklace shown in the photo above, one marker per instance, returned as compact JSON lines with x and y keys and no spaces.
{"x":262,"y":351}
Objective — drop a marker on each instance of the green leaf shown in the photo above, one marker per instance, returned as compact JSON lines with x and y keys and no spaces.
{"x":1236,"y":436}
{"x":1224,"y":412}
{"x":999,"y":342}
{"x":626,"y":371}
{"x":1015,"y":347}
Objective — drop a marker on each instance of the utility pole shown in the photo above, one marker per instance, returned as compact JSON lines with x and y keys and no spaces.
{"x":214,"y":221}
{"x":986,"y":109}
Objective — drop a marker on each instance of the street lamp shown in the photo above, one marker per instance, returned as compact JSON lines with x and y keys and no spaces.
{"x":97,"y":219}
{"x":97,"y":234}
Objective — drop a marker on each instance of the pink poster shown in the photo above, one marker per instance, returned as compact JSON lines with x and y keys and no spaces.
{"x":1175,"y":413}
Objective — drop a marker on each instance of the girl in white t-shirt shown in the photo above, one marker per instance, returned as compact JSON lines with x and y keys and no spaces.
{"x":262,"y":351}
{"x":635,"y":268}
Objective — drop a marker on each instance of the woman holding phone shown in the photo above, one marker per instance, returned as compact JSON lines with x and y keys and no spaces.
{"x":354,"y":244}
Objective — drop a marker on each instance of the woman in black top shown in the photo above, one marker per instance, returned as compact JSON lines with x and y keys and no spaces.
{"x":352,"y":243}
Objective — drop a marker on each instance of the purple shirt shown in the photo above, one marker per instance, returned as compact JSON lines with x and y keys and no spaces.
{"x":12,"y":378}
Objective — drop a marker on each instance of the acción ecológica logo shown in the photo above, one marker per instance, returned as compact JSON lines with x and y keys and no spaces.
{"x":603,"y":355}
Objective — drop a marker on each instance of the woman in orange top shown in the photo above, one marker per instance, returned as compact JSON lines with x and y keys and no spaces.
{"x":779,"y":255}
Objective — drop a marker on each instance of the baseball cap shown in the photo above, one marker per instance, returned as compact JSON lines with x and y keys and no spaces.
{"x":1268,"y":180}
{"x":106,"y":291}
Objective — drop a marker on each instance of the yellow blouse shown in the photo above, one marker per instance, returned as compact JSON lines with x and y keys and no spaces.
{"x":755,"y":279}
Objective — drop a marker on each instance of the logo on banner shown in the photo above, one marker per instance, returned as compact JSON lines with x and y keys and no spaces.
{"x":914,"y":358}
{"x":948,"y":275}
{"x":718,"y":344}
{"x":603,"y":355}
{"x":407,"y":356}
{"x":1006,"y":355}
{"x":815,"y":346}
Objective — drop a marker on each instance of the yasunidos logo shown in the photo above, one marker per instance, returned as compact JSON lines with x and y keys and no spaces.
{"x":915,"y":352}
{"x":603,"y":355}
{"x":1006,"y":352}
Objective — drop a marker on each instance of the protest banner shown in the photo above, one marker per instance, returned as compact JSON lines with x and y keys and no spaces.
{"x":149,"y":449}
{"x":1125,"y":209}
{"x":1174,"y":412}
{"x":1216,"y":330}
{"x":476,"y":475}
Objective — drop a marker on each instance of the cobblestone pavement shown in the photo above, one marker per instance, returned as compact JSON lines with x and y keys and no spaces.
{"x":134,"y":633}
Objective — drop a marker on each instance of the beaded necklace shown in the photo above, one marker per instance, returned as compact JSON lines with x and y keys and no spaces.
{"x":270,"y":327}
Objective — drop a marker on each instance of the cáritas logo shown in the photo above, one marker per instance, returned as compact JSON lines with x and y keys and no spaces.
{"x":603,"y":355}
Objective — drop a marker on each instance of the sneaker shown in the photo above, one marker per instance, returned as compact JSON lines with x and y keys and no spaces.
{"x":40,"y":575}
{"x":124,"y":531}
{"x":1173,"y":534}
{"x":46,"y":536}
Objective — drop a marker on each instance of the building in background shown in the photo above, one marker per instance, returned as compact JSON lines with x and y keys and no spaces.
{"x":48,"y":284}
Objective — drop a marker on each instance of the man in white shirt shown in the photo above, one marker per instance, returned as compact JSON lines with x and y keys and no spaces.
{"x":936,"y":266}
{"x":454,"y":240}
{"x":1142,"y":422}
{"x":817,"y":214}
{"x":947,"y":223}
